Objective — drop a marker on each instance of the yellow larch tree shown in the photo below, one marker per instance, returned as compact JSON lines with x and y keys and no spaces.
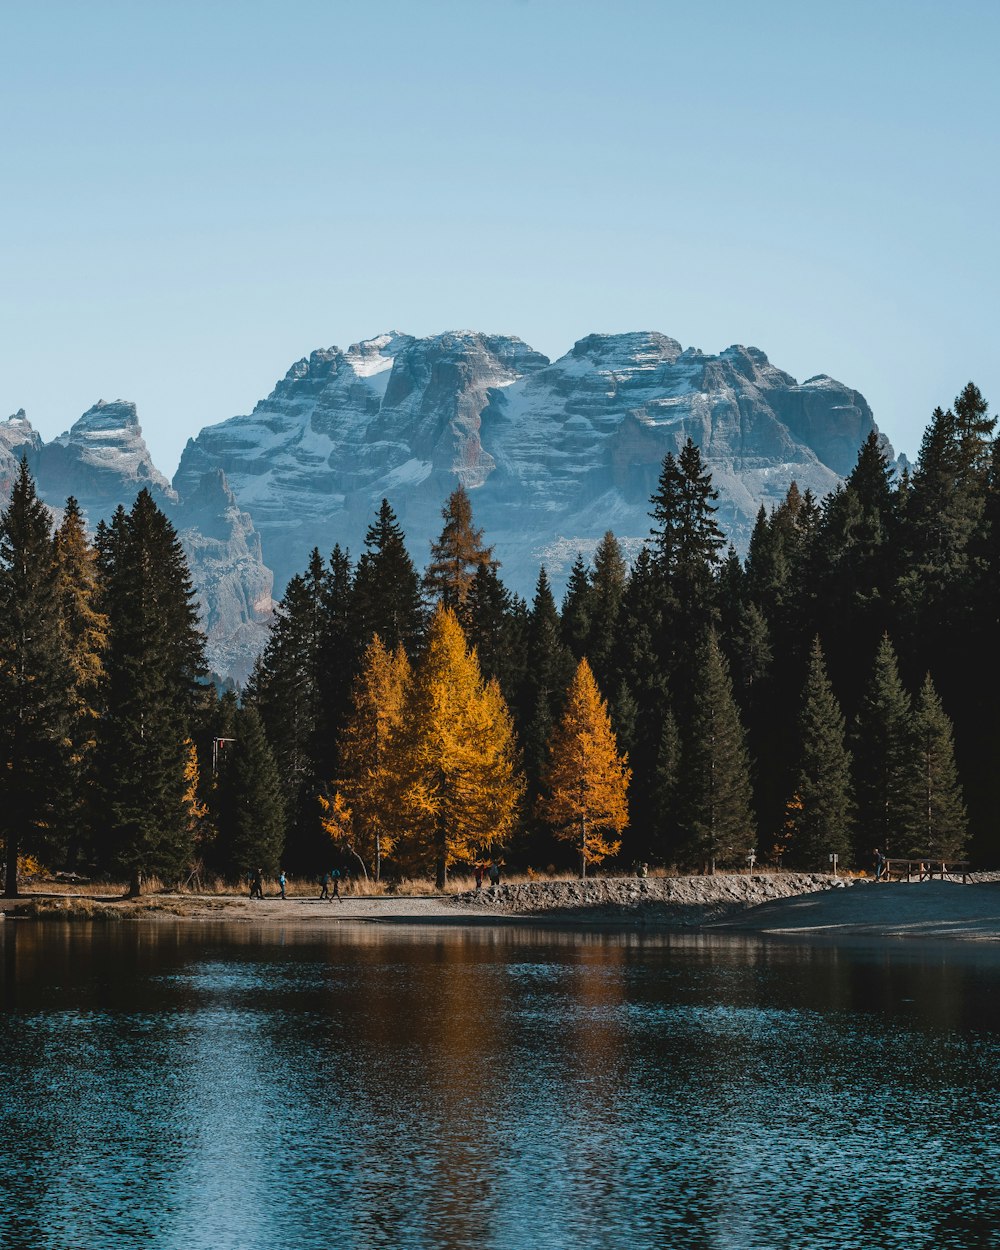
{"x":460,"y":781}
{"x":585,"y":780}
{"x":457,"y":556}
{"x":195,"y":811}
{"x":368,"y":786}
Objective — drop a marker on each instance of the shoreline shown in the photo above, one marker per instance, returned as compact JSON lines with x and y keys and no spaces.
{"x":793,"y":906}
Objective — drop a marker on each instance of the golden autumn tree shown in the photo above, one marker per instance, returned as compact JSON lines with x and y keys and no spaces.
{"x":457,"y":556}
{"x":369,"y":783}
{"x":585,"y":781}
{"x":195,"y":810}
{"x":459,"y":781}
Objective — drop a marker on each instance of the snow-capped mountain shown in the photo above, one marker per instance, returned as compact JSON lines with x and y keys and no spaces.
{"x":17,"y":439}
{"x":103,"y":460}
{"x":554,"y":453}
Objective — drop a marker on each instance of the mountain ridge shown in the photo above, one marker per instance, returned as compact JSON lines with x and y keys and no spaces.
{"x":553,"y":453}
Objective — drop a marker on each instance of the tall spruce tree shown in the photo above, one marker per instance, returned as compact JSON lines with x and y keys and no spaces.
{"x":607,"y":586}
{"x":286,"y":690}
{"x":852,"y":574}
{"x":387,"y":598}
{"x":576,"y":609}
{"x":248,"y":808}
{"x":83,"y":639}
{"x":547,"y":676}
{"x":715,"y":794}
{"x":820,"y":807}
{"x":154,"y":664}
{"x":686,"y":541}
{"x":935,"y":811}
{"x":36,"y":680}
{"x":639,"y":697}
{"x":882,"y":759}
{"x":337,"y":658}
{"x":663,"y":841}
{"x":498,"y":629}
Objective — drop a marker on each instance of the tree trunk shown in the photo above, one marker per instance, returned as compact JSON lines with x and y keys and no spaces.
{"x":360,"y":861}
{"x":441,"y":880}
{"x":135,"y":884}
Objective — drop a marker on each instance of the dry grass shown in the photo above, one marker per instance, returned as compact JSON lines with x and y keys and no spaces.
{"x":90,"y":909}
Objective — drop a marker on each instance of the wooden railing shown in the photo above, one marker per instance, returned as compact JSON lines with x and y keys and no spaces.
{"x":925,"y":869}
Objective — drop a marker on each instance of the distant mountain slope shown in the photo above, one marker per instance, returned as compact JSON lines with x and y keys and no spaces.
{"x":103,"y":461}
{"x":554,"y":453}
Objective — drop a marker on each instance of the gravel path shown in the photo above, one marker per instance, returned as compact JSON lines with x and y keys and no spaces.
{"x":803,"y":904}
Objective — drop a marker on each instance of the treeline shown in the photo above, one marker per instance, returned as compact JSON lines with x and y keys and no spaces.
{"x":101,"y":691}
{"x":835,"y":691}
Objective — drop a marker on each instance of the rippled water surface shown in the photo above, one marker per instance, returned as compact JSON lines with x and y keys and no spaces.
{"x":189,"y":1087}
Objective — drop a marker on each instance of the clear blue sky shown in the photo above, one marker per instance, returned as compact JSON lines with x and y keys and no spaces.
{"x":194,"y":195}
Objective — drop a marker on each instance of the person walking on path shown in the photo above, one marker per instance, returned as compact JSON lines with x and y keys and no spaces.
{"x":257,"y":885}
{"x":494,"y":874}
{"x":478,"y":874}
{"x":879,"y":865}
{"x":281,"y":884}
{"x":335,"y":876}
{"x":325,"y":893}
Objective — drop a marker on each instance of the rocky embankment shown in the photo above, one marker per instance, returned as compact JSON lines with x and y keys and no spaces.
{"x":684,"y":901}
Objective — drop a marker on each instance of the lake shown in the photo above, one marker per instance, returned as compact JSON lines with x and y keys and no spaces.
{"x":189,"y":1086}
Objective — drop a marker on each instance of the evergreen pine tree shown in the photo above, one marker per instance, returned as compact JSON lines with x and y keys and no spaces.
{"x":154,"y":664}
{"x":36,"y":681}
{"x":585,"y":780}
{"x":820,"y":809}
{"x":576,"y":609}
{"x":83,"y":639}
{"x":853,"y":571}
{"x":640,"y":696}
{"x":974,"y":430}
{"x":686,"y":543}
{"x":248,"y":809}
{"x":715,"y":794}
{"x":387,"y":597}
{"x":547,"y":675}
{"x":882,"y":759}
{"x":498,"y":629}
{"x":663,"y":845}
{"x":777,"y":587}
{"x":286,"y":691}
{"x":337,"y":659}
{"x":935,"y":812}
{"x":608,"y":582}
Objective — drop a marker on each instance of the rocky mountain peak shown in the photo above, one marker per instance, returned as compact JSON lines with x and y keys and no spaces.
{"x":17,"y":439}
{"x":17,"y":435}
{"x":644,"y":349}
{"x":555,"y":451}
{"x":104,"y":454}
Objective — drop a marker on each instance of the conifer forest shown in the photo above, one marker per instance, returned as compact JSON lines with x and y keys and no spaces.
{"x":835,"y":691}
